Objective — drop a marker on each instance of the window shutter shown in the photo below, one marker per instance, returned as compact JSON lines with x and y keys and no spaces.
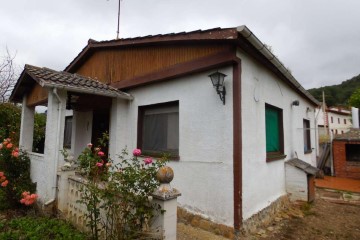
{"x":272,"y":130}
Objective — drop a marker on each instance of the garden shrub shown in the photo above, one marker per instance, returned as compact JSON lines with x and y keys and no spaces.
{"x":118,"y":196}
{"x":10,"y":121}
{"x":14,"y":176}
{"x":39,"y":228}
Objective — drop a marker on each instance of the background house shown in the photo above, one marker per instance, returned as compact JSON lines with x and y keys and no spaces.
{"x":154,"y":93}
{"x":336,"y":120}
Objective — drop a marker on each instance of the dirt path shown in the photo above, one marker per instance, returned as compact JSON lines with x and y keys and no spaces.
{"x":321,"y":220}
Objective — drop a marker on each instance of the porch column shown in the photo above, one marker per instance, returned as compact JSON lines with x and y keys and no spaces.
{"x":54,"y":138}
{"x":118,"y":126}
{"x":27,"y":126}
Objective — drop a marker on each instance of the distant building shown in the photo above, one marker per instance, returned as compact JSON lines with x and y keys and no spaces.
{"x":336,"y":120}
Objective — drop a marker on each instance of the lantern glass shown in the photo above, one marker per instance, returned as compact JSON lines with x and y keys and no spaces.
{"x":217,"y":79}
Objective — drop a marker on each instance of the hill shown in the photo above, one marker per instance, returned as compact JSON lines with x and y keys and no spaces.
{"x":337,"y":95}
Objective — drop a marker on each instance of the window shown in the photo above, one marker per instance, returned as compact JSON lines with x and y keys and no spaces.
{"x":344,"y":120}
{"x":332,"y":120}
{"x":67,"y":132}
{"x":274,"y":133}
{"x":352,"y":152}
{"x":158,"y":129}
{"x":336,"y":131}
{"x":307,"y":142}
{"x":338,"y":120}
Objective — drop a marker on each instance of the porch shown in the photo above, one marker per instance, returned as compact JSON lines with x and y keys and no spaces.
{"x":95,"y":108}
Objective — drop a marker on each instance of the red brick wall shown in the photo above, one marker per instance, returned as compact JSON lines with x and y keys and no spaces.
{"x":342,"y":167}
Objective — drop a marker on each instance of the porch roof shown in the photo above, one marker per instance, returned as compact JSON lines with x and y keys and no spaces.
{"x":47,"y":77}
{"x":306,"y":167}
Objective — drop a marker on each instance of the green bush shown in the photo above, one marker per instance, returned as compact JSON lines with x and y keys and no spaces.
{"x":14,"y":175}
{"x":38,"y":228}
{"x":10,"y":121}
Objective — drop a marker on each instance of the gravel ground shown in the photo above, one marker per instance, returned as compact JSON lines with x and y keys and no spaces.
{"x":186,"y":232}
{"x":321,"y":220}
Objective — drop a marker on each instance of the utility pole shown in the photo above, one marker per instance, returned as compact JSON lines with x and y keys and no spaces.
{"x":118,"y":23}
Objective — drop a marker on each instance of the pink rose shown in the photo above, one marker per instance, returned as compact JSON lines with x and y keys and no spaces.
{"x":108,"y":164}
{"x":148,"y":161}
{"x":5,"y":183}
{"x":22,"y":201}
{"x":1,"y":145}
{"x":137,"y":152}
{"x":1,"y":174}
{"x":24,"y":194}
{"x":34,"y":196}
{"x":97,"y":149}
{"x":89,"y":145}
{"x":10,"y":145}
{"x":15,"y":154}
{"x":99,"y":164}
{"x":101,"y":154}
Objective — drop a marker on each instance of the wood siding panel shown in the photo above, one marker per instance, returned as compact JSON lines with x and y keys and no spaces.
{"x":114,"y":65}
{"x":38,"y":95}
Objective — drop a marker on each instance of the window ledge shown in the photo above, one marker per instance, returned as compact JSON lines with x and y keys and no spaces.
{"x":308,"y":151}
{"x":274,"y":156}
{"x":158,"y":156}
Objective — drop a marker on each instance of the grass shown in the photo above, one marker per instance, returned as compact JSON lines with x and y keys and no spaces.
{"x":306,"y":209}
{"x":29,"y":228}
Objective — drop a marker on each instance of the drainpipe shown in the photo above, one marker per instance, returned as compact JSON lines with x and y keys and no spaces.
{"x":316,"y":135}
{"x":54,"y":192}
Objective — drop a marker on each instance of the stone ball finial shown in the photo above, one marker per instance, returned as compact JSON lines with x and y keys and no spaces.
{"x":165,"y":174}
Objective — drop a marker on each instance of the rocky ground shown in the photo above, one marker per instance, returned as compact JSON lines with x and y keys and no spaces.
{"x":321,"y":220}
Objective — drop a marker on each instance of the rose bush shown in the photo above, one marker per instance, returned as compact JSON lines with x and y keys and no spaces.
{"x":14,"y":175}
{"x":119,"y":191}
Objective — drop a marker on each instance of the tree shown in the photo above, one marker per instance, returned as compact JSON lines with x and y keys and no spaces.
{"x":8,"y":75}
{"x":354,"y":99}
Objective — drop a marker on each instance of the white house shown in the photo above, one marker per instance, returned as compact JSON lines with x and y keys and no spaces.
{"x":335,"y":120}
{"x":228,"y":144}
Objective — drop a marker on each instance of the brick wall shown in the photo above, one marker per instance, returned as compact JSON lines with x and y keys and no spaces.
{"x":342,"y":167}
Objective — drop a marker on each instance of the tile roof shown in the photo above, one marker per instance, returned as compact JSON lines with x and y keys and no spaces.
{"x":71,"y":82}
{"x":220,"y":35}
{"x":306,"y":167}
{"x":352,"y":135}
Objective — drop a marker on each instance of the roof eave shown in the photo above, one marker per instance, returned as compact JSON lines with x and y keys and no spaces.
{"x":256,"y":43}
{"x":121,"y":95}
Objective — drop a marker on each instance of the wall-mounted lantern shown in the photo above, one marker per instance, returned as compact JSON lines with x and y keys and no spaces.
{"x":295,"y":103}
{"x":217,"y":79}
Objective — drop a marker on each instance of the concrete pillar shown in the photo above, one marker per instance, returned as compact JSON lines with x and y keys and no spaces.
{"x":118,"y":126}
{"x":166,"y":197}
{"x":54,"y":138}
{"x":27,"y":126}
{"x":81,"y":131}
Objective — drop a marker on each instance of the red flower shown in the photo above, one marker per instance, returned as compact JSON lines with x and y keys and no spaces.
{"x":137,"y":152}
{"x":5,"y":183}
{"x":101,"y":154}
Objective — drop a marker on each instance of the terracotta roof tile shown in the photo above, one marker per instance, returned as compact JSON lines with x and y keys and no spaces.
{"x":72,"y":82}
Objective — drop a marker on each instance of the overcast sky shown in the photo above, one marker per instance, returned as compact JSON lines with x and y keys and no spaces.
{"x":319,"y":40}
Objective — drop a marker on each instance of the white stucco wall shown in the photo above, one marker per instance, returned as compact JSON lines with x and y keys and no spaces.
{"x":204,"y":173}
{"x":264,"y":182}
{"x":335,"y":125}
{"x":296,"y":183}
